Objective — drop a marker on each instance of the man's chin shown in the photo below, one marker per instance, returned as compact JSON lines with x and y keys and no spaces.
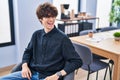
{"x":50,"y":28}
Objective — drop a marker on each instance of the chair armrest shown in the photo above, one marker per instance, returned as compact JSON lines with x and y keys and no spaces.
{"x":17,"y":67}
{"x":69,"y":76}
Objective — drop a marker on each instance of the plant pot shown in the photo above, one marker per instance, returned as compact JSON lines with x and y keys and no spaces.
{"x":117,"y":38}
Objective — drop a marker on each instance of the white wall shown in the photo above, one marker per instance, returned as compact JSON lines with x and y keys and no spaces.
{"x":103,"y":11}
{"x":89,"y":6}
{"x":26,"y":23}
{"x":98,"y":8}
{"x":83,"y":5}
{"x":7,"y":55}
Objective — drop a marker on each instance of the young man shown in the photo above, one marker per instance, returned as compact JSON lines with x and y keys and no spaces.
{"x":50,"y":53}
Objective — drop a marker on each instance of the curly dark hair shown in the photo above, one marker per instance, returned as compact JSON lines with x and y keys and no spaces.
{"x":46,"y":10}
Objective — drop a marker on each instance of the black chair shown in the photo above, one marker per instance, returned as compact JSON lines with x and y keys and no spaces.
{"x":89,"y":63}
{"x":84,"y":32}
{"x":18,"y":67}
{"x":108,"y":28}
{"x":111,"y":62}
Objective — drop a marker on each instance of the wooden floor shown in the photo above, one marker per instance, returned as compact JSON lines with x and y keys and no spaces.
{"x":81,"y":75}
{"x":6,"y":70}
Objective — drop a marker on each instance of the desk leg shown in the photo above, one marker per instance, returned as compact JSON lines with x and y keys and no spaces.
{"x":116,"y":72}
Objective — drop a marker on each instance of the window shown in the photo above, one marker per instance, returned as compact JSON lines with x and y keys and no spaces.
{"x":6,"y":23}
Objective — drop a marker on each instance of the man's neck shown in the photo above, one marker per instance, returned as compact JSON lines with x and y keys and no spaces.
{"x":47,"y":30}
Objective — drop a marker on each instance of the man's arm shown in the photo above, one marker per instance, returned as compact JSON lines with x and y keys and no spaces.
{"x":73,"y":60}
{"x":56,"y":76}
{"x":26,"y":73}
{"x":29,"y":50}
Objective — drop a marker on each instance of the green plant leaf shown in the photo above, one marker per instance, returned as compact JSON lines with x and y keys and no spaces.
{"x":116,"y":34}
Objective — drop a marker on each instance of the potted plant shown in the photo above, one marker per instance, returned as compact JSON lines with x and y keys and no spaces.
{"x":115,"y":12}
{"x":117,"y":36}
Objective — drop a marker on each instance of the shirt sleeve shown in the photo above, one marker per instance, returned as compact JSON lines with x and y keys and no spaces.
{"x":28,"y":51}
{"x":73,"y":60}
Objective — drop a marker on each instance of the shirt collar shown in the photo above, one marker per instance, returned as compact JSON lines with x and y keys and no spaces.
{"x":53,"y":31}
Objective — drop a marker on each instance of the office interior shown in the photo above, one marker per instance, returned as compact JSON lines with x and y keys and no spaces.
{"x":26,"y":22}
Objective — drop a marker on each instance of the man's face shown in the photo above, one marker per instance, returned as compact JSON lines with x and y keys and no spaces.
{"x":48,"y":23}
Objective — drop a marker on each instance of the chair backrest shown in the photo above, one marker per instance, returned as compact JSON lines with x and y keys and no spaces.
{"x":84,"y":32}
{"x":84,"y":53}
{"x":108,"y":28}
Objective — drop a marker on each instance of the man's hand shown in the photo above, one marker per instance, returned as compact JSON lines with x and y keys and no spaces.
{"x":26,"y":73}
{"x":52,"y":77}
{"x":55,"y":76}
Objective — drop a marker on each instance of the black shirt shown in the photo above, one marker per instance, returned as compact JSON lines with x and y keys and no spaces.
{"x":51,"y":52}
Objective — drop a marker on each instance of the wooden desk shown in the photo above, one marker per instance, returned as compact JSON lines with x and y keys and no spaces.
{"x":107,"y":47}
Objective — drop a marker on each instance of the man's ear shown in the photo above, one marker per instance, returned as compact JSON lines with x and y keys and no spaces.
{"x":40,"y":20}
